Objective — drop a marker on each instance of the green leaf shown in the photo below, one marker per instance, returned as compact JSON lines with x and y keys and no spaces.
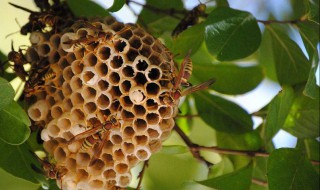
{"x":221,"y":114}
{"x":174,"y":149}
{"x":117,"y":5}
{"x":266,"y":57}
{"x":223,"y":167}
{"x":185,"y":123}
{"x":300,"y":8}
{"x":86,"y":8}
{"x":312,"y":89}
{"x":240,"y":180}
{"x":303,"y":119}
{"x":17,"y":160}
{"x":187,"y":41}
{"x":288,"y":169}
{"x":14,"y":124}
{"x":6,"y":93}
{"x":250,"y":141}
{"x":231,"y":34}
{"x":278,"y":111}
{"x":230,"y":78}
{"x":310,"y":147}
{"x":292,"y":67}
{"x":309,"y":32}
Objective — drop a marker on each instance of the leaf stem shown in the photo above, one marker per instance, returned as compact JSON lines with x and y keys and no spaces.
{"x":267,"y":22}
{"x":259,"y":182}
{"x":187,"y":116}
{"x":141,"y":174}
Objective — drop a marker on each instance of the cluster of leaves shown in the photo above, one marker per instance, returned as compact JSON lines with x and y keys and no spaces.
{"x":218,"y":44}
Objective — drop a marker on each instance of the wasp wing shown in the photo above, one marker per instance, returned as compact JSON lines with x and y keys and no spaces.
{"x":198,"y":87}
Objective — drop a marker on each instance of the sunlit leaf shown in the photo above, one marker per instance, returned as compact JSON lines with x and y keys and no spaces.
{"x":259,"y":172}
{"x":223,"y":167}
{"x":86,"y":8}
{"x":310,"y":147}
{"x":222,"y":114}
{"x":246,"y":141}
{"x":6,"y":93}
{"x":266,"y":57}
{"x":174,"y":149}
{"x":230,"y":78}
{"x":14,"y":124}
{"x":309,"y":31}
{"x":289,"y":169}
{"x":117,"y":5}
{"x":303,"y":119}
{"x":240,"y":180}
{"x":231,"y":34}
{"x":17,"y":160}
{"x":312,"y":89}
{"x":278,"y":111}
{"x":292,"y":67}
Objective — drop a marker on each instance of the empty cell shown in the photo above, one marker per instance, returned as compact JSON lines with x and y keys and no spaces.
{"x":132,"y":159}
{"x":50,"y":100}
{"x":147,"y":39}
{"x":140,"y":78}
{"x":121,"y":46}
{"x":32,"y":55}
{"x":90,"y":59}
{"x":71,"y":57}
{"x":124,"y":181}
{"x":76,"y":99}
{"x":104,"y":52}
{"x":79,"y":53}
{"x":126,"y":33}
{"x":157,"y":47}
{"x":153,"y":73}
{"x":118,"y":155}
{"x":127,"y":71}
{"x":68,"y":135}
{"x":165,"y":112}
{"x":67,"y":104}
{"x":155,"y":145}
{"x":126,"y":102}
{"x":108,"y":147}
{"x":132,"y":54}
{"x":140,"y":125}
{"x":151,"y":104}
{"x":165,"y":134}
{"x":55,"y":41}
{"x":53,"y":129}
{"x":67,"y":73}
{"x":153,"y":89}
{"x":65,"y":41}
{"x":110,"y":184}
{"x":102,"y":69}
{"x":153,"y":133}
{"x":56,"y":111}
{"x":155,"y":59}
{"x":115,"y":92}
{"x":71,"y":164}
{"x":145,"y":50}
{"x":77,"y":67}
{"x":84,"y":32}
{"x":135,"y":42}
{"x":116,"y":62}
{"x":89,"y":93}
{"x":89,"y":76}
{"x":116,"y":139}
{"x":152,"y":118}
{"x":60,"y":155}
{"x":115,"y":106}
{"x":103,"y":101}
{"x":90,"y":107}
{"x":166,"y":124}
{"x":77,"y":115}
{"x":108,"y":159}
{"x":83,"y":159}
{"x":96,"y":184}
{"x":38,"y":111}
{"x":141,"y":64}
{"x":96,"y":168}
{"x":54,"y":57}
{"x":114,"y":78}
{"x":121,"y":168}
{"x":128,"y":132}
{"x":139,"y":110}
{"x":76,"y":83}
{"x":128,"y":147}
{"x":109,"y":174}
{"x":63,"y":63}
{"x":140,"y":140}
{"x":44,"y":49}
{"x":126,"y":115}
{"x":103,"y":85}
{"x":50,"y":145}
{"x":125,"y":86}
{"x":142,"y":153}
{"x":139,"y":32}
{"x":82,"y":175}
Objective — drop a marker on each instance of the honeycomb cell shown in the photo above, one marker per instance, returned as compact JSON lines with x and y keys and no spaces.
{"x":139,"y":110}
{"x":66,"y":40}
{"x":90,"y":107}
{"x":56,"y":111}
{"x":89,"y":76}
{"x":96,"y":184}
{"x":152,"y":118}
{"x":77,"y":99}
{"x":135,"y":42}
{"x":109,"y":174}
{"x":127,"y":71}
{"x":83,"y":159}
{"x":152,"y":89}
{"x":137,"y":95}
{"x":125,"y":86}
{"x":104,"y":85}
{"x":116,"y":62}
{"x":124,"y":180}
{"x":153,"y":73}
{"x":140,"y":125}
{"x":88,"y":93}
{"x":37,"y":38}
{"x":118,"y":155}
{"x":38,"y":111}
{"x":103,"y":101}
{"x":90,"y":59}
{"x":121,"y":45}
{"x":108,"y":159}
{"x":75,"y":83}
{"x":114,"y":78}
{"x":142,"y":153}
{"x":140,"y":140}
{"x":126,"y":102}
{"x":102,"y":69}
{"x":128,"y":147}
{"x":77,"y":67}
{"x":121,"y":168}
{"x":104,"y":52}
{"x":55,"y":41}
{"x":54,"y":57}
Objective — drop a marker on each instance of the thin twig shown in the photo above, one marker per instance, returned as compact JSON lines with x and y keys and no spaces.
{"x":259,"y":182}
{"x":266,"y":22}
{"x":141,"y":174}
{"x":192,"y":147}
{"x":187,"y":116}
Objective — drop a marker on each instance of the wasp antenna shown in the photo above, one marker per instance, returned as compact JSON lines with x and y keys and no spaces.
{"x":11,"y":34}
{"x":22,"y":8}
{"x":12,"y":49}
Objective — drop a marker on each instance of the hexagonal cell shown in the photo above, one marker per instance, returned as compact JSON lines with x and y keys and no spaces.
{"x":121,"y":45}
{"x":89,"y":76}
{"x":90,"y":107}
{"x":103,"y":101}
{"x":67,"y":104}
{"x":157,"y":47}
{"x":126,"y":34}
{"x":125,"y":86}
{"x":155,"y":145}
{"x":165,"y":112}
{"x":88,"y":93}
{"x":56,"y":111}
{"x":63,"y":63}
{"x":151,"y":104}
{"x":153,"y":73}
{"x":53,"y":129}
{"x":142,"y":153}
{"x":79,"y":53}
{"x":109,"y":174}
{"x":76,"y":99}
{"x":82,"y":175}
{"x":108,"y":159}
{"x":127,"y":71}
{"x":145,"y":50}
{"x":135,"y":42}
{"x":90,"y":59}
{"x":116,"y":62}
{"x":76,"y":83}
{"x":55,"y":41}
{"x":114,"y":78}
{"x":115,"y":92}
{"x":153,"y":133}
{"x":84,"y":32}
{"x":126,"y":115}
{"x":60,"y":154}
{"x":38,"y":111}
{"x":155,"y":59}
{"x":66,"y":38}
{"x":77,"y":67}
{"x":96,"y":168}
{"x":139,"y":110}
{"x":140,"y":140}
{"x":44,"y":49}
{"x":118,"y":155}
{"x":132,"y":54}
{"x":71,"y":164}
{"x":104,"y":52}
{"x":32,"y":55}
{"x":121,"y":168}
{"x":103,"y":85}
{"x":128,"y":132}
{"x":128,"y":147}
{"x":152,"y":89}
{"x":140,"y":125}
{"x":77,"y":115}
{"x":140,"y":78}
{"x":152,"y":118}
{"x":64,"y":123}
{"x":102,"y":69}
{"x":148,"y":39}
{"x":124,"y":180}
{"x":71,"y":57}
{"x":115,"y":138}
{"x":54,"y":57}
{"x":83,"y":159}
{"x":96,"y":184}
{"x":166,"y":124}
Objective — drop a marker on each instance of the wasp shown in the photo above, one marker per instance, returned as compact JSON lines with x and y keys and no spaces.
{"x":49,"y":169}
{"x":191,"y":18}
{"x":181,"y":79}
{"x":97,"y":134}
{"x":18,"y":60}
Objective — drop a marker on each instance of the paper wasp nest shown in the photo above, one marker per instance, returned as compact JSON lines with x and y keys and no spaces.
{"x":125,"y":75}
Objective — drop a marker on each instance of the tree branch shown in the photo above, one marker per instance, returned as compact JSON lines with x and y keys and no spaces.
{"x":141,"y":174}
{"x":259,"y":182}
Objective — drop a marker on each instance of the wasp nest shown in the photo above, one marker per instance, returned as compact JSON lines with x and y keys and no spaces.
{"x":101,"y":70}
